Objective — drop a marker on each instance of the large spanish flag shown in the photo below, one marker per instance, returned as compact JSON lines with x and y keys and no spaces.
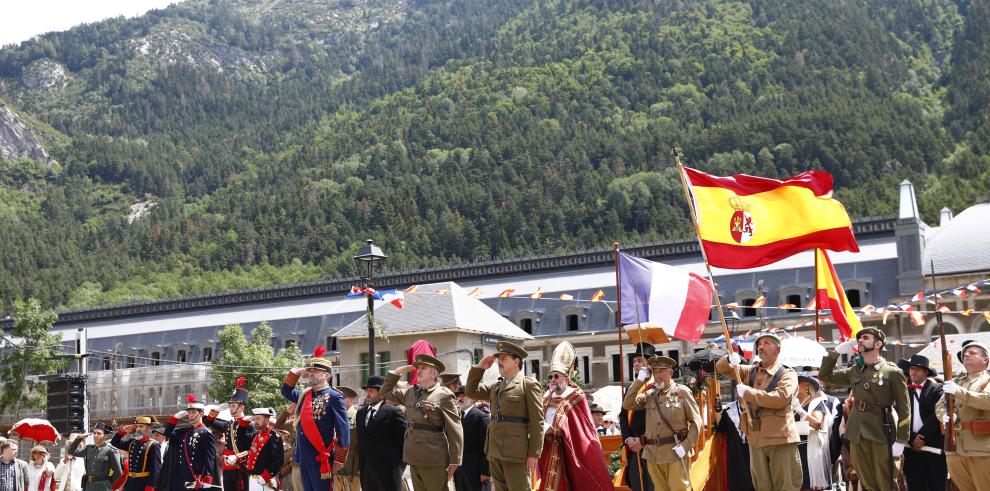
{"x":830,"y":295}
{"x":746,"y":221}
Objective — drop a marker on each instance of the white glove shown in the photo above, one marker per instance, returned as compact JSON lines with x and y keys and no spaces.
{"x":231,"y":459}
{"x":679,"y":450}
{"x":272,"y":483}
{"x":181,"y":415}
{"x":845,"y":347}
{"x":897,"y":449}
{"x":950,"y":387}
{"x":796,"y":406}
{"x":248,"y":419}
{"x":644,"y":374}
{"x":741,"y":390}
{"x":945,"y":419}
{"x":734,"y":360}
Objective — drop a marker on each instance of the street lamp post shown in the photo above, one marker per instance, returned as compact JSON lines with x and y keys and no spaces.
{"x":366,"y":258}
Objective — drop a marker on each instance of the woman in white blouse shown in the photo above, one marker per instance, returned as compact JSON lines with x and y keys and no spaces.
{"x":69,"y":471}
{"x":40,"y":470}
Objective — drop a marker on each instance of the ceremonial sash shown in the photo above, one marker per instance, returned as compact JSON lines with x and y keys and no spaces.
{"x":312,"y":433}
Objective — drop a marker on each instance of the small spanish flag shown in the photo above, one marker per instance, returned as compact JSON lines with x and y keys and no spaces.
{"x":746,"y":221}
{"x":506,"y":293}
{"x":412,"y":289}
{"x":475,"y":292}
{"x":537,"y":294}
{"x":830,"y":295}
{"x":565,"y":296}
{"x":759,"y":302}
{"x":598,"y":296}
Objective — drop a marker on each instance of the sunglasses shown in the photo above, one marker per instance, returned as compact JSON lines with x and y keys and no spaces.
{"x":556,"y":375}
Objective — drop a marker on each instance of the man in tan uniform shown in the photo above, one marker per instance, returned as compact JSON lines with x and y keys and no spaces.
{"x":969,"y":465}
{"x":673,"y":423}
{"x":766,"y":392}
{"x":515,"y":435}
{"x":348,"y":478}
{"x":434,"y":440}
{"x":879,"y":391}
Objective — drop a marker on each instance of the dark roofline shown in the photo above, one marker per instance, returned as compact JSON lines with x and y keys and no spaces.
{"x":862,"y":227}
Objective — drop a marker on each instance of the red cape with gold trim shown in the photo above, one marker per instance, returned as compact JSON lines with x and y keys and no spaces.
{"x":572,"y":453}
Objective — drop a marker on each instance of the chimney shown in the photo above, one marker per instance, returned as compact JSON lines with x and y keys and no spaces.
{"x":909,"y":205}
{"x":944,"y":217}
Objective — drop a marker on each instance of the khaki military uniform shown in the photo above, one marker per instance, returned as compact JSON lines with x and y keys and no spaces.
{"x":434,"y":437}
{"x":879,"y":390}
{"x":969,"y":465}
{"x":774,"y":460}
{"x":348,"y":479}
{"x":516,"y":429}
{"x":102,"y":465}
{"x":672,"y":418}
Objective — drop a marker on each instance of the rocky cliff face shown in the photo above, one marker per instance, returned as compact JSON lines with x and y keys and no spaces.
{"x":17,"y":140}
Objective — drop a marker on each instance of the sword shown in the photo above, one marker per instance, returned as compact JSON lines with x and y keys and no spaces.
{"x":201,"y":485}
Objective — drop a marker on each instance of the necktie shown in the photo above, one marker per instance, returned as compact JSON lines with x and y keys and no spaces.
{"x":371,"y":416}
{"x":915,"y":386}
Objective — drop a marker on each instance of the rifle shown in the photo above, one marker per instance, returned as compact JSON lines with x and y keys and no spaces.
{"x":950,"y":401}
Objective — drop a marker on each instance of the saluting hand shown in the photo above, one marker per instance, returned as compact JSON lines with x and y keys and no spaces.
{"x":404,"y":369}
{"x":487,"y":362}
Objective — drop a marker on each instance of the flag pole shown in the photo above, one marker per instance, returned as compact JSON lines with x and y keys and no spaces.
{"x":711,"y":277}
{"x":818,"y":336}
{"x":622,"y":372}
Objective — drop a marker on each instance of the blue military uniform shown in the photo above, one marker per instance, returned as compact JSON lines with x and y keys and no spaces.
{"x":193,"y":454}
{"x":320,"y":412}
{"x":239,"y":435}
{"x":144,"y":458}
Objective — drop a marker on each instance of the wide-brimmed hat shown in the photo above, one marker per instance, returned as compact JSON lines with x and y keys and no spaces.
{"x":510,"y":349}
{"x":595,"y":408}
{"x":916,"y":361}
{"x":803,"y":377}
{"x":430,"y":361}
{"x":374,"y":382}
{"x":769,"y":335}
{"x":263,"y":411}
{"x":347,"y":391}
{"x":39,"y":448}
{"x":971,"y":342}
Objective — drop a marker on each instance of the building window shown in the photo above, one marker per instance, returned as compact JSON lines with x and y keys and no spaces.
{"x":289,"y":343}
{"x":535,"y":368}
{"x":156,"y":358}
{"x":572,"y":322}
{"x":748,"y":310}
{"x":854,"y":297}
{"x":180,"y":356}
{"x":526,"y":325}
{"x":985,"y":327}
{"x":949,"y":329}
{"x":207,"y":354}
{"x":331,"y":344}
{"x":586,"y":369}
{"x":131,"y":362}
{"x":384,"y":358}
{"x":796,"y":300}
{"x":364,"y":367}
{"x":106,"y":362}
{"x":477,"y":356}
{"x":616,"y":373}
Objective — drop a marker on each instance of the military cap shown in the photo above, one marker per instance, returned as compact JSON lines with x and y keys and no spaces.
{"x":769,"y":335}
{"x":347,"y":391}
{"x":657,"y":361}
{"x":874,"y":331}
{"x":192,"y":403}
{"x":318,"y":361}
{"x":263,"y":411}
{"x":450,"y":378}
{"x":160,"y":431}
{"x":145,"y":420}
{"x":430,"y":361}
{"x":240,"y":393}
{"x":104,"y":427}
{"x":505,"y":347}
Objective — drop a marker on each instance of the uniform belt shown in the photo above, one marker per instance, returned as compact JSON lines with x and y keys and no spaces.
{"x":968,"y":425}
{"x":871,"y":407}
{"x":511,"y":419}
{"x":138,"y":474}
{"x":97,"y":479}
{"x":663,"y":440}
{"x":424,"y":427}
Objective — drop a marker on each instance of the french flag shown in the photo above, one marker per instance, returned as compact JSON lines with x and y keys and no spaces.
{"x":672,"y":299}
{"x":394,"y":297}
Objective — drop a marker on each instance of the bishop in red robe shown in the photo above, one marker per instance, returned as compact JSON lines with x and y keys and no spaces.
{"x":572,"y":457}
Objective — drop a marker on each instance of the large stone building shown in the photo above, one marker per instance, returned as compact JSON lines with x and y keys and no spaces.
{"x":152,"y":354}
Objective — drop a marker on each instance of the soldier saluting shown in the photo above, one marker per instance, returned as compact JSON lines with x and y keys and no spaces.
{"x":193,"y":456}
{"x":144,"y":454}
{"x":879,"y":390}
{"x":239,"y":434}
{"x":673,"y":423}
{"x":434,"y":439}
{"x":102,"y":462}
{"x":515,"y":434}
{"x":266,"y":454}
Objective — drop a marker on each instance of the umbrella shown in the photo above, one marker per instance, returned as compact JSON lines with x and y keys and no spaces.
{"x":39,"y":430}
{"x":704,"y":360}
{"x":796,"y":351}
{"x":609,"y":398}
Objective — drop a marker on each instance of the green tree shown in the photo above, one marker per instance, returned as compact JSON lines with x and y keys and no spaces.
{"x":255,"y":360}
{"x":28,"y":354}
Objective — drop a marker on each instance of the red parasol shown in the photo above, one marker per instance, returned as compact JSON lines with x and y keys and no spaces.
{"x":39,"y":430}
{"x":421,"y":346}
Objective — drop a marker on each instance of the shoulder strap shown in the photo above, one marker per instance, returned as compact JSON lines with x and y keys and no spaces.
{"x":757,"y":412}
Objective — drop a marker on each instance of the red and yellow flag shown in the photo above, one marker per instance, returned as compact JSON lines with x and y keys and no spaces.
{"x":830,"y":295}
{"x":598,"y":296}
{"x":746,"y":221}
{"x":506,"y":293}
{"x":537,"y":294}
{"x":475,"y":292}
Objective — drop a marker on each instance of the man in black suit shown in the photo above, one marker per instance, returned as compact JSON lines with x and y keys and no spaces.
{"x":473,"y":474}
{"x":381,"y":430}
{"x":633,"y":426}
{"x":923,"y":470}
